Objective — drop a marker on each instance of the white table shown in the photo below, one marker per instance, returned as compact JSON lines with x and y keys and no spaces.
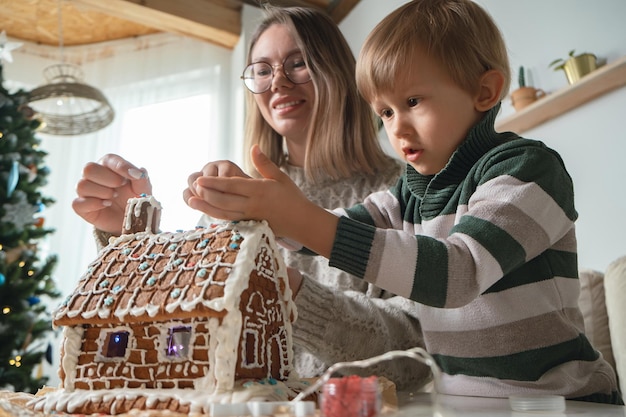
{"x":457,"y":406}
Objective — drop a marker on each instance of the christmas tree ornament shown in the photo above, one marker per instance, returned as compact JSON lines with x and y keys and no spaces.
{"x":28,"y":339}
{"x":32,"y":172}
{"x":49,"y":353}
{"x":14,"y":176}
{"x":27,"y":111}
{"x":3,"y":279}
{"x":32,"y":300}
{"x":19,"y":213}
{"x":6,"y":47}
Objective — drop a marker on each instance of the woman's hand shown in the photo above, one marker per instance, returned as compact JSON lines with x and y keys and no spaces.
{"x":104,"y":190}
{"x":212,"y":169}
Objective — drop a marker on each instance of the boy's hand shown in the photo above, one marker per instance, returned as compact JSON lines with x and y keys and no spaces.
{"x":274,"y":198}
{"x":245,"y":198}
{"x":104,"y":190}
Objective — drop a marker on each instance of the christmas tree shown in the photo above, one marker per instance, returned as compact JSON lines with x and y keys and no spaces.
{"x":25,"y":279}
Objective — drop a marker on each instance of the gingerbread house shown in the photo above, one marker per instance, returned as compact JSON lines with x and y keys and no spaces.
{"x":175,"y":320}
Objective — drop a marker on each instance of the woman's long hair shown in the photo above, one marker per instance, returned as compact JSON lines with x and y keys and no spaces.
{"x":342,"y":138}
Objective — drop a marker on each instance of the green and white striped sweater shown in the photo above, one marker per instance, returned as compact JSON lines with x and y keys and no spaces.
{"x":487,"y":247}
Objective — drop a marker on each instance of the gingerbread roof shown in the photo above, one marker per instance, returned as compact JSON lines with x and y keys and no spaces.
{"x":182,"y":274}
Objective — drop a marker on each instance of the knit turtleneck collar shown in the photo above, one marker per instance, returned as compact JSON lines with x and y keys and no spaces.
{"x":481,"y":138}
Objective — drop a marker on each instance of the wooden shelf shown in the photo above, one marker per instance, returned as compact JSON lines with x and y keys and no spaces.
{"x":601,"y":81}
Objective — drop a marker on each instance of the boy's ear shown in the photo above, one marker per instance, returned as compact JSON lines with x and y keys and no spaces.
{"x":490,"y":89}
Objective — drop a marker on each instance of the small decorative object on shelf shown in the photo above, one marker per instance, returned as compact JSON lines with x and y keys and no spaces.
{"x":607,"y":78}
{"x":524,"y":95}
{"x":575,"y":65}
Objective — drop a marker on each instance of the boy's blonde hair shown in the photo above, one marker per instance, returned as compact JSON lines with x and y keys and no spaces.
{"x":342,"y":138}
{"x":459,"y":34}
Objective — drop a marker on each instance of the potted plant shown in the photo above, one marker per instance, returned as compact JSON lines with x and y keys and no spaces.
{"x":525,"y":94}
{"x":575,"y":65}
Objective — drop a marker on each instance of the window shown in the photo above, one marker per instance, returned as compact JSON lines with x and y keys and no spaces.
{"x":178,"y":342}
{"x":115,"y":344}
{"x":171,"y":140}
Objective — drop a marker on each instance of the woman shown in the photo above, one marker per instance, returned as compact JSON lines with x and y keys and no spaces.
{"x":304,"y":111}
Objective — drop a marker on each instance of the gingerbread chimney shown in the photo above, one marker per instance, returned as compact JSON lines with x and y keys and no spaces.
{"x":143,"y":214}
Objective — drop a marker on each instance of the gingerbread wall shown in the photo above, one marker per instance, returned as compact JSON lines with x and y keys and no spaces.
{"x":263,"y":344}
{"x":142,"y":366}
{"x":262,"y":352}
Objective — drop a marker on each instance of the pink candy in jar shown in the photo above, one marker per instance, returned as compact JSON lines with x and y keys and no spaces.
{"x":351,"y":396}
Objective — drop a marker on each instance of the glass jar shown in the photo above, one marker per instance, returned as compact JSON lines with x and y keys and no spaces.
{"x":351,"y":396}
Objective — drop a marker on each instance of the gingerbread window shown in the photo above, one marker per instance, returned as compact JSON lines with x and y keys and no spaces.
{"x":115,"y":344}
{"x":178,"y":342}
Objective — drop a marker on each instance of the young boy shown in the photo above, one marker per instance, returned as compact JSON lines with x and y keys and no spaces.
{"x":480,"y":228}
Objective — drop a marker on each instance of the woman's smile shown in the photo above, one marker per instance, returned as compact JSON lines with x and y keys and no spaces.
{"x":285,"y":106}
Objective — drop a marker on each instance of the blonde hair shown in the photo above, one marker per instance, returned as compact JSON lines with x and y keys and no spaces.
{"x":342,"y":138}
{"x":459,"y":34}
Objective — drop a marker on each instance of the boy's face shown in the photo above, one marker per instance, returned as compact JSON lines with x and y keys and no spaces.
{"x":426,"y":115}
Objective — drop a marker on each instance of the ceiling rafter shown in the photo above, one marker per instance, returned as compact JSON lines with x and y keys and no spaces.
{"x":92,"y":21}
{"x":220,"y":25}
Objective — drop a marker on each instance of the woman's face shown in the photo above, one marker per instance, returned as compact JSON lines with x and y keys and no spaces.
{"x":286,"y":106}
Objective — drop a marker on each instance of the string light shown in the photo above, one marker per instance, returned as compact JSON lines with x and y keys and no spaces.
{"x":6,"y":310}
{"x":17,"y":362}
{"x":21,"y":264}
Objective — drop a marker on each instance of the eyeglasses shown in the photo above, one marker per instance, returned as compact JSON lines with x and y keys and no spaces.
{"x":258,"y":76}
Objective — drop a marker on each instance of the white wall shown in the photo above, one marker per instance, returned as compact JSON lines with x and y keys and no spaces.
{"x":592,"y":138}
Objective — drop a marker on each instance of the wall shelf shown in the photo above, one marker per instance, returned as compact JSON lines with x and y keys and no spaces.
{"x":601,"y":81}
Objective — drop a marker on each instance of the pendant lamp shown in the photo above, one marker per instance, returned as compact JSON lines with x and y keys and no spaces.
{"x":66,"y":105}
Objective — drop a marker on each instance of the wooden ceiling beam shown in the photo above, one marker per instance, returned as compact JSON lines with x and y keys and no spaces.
{"x":339,"y":9}
{"x":202,"y":19}
{"x":336,"y":9}
{"x":322,"y":4}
